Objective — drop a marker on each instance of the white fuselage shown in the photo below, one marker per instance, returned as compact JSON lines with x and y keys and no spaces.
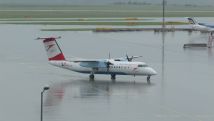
{"x":118,"y":68}
{"x":200,"y":27}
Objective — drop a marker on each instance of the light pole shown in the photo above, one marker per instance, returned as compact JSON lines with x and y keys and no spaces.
{"x":163,"y":45}
{"x":163,"y":12}
{"x":44,"y":89}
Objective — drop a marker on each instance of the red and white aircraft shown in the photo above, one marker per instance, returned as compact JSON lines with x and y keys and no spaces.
{"x":113,"y":67}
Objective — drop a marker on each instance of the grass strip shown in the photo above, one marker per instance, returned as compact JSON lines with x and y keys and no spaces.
{"x":99,"y":23}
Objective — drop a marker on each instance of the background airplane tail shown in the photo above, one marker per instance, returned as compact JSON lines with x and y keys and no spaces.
{"x":192,"y":21}
{"x":52,"y":48}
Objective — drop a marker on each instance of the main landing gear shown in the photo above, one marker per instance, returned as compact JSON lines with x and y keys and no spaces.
{"x":91,"y":76}
{"x":148,"y":79}
{"x":113,"y":77}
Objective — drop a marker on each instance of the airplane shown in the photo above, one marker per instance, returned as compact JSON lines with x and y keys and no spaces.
{"x":200,"y":26}
{"x":113,"y":67}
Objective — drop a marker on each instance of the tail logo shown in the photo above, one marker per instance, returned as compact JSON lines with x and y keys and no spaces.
{"x":49,"y":47}
{"x":52,"y":48}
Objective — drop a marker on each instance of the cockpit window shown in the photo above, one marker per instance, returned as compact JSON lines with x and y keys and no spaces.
{"x":141,"y":65}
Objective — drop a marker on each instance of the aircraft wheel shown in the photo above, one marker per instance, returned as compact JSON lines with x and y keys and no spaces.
{"x":91,"y":77}
{"x":148,"y":79}
{"x":113,"y":76}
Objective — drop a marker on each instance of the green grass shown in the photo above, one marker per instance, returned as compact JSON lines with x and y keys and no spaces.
{"x":106,"y":11}
{"x":77,"y":19}
{"x":100,"y":14}
{"x":103,"y":23}
{"x":70,"y":29}
{"x":121,"y":13}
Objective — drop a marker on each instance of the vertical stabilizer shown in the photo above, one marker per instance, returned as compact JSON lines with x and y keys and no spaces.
{"x":192,"y":20}
{"x":52,"y":48}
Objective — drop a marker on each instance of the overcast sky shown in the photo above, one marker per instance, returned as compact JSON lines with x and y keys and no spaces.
{"x":197,"y":2}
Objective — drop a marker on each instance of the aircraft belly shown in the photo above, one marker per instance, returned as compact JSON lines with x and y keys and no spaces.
{"x":99,"y":71}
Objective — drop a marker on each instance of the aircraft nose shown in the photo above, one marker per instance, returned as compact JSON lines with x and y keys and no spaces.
{"x":151,"y":71}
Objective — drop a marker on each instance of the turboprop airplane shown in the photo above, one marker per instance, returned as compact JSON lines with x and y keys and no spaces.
{"x":113,"y":67}
{"x":200,"y":26}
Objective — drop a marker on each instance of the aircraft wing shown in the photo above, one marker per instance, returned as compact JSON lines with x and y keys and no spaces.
{"x":126,"y":58}
{"x":92,"y":63}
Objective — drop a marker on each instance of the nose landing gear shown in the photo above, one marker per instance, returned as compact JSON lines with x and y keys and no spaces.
{"x":148,"y":79}
{"x":91,"y":77}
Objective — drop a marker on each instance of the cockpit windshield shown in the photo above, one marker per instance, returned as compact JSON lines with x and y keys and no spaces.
{"x":142,"y":65}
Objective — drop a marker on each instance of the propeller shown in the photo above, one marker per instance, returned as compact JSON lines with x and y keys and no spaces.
{"x":129,"y":59}
{"x":108,"y":63}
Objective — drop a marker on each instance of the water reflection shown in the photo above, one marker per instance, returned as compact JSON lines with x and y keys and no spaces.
{"x":163,"y":55}
{"x":66,"y":90}
{"x":55,"y":94}
{"x":210,"y":52}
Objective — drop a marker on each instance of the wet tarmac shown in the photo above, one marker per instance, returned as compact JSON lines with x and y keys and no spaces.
{"x":182,"y":90}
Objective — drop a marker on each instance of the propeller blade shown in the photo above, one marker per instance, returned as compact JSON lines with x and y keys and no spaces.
{"x":108,"y":63}
{"x":127,"y":57}
{"x":131,"y":58}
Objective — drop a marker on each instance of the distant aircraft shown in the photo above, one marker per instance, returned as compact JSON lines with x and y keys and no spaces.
{"x":200,"y":26}
{"x":113,"y":67}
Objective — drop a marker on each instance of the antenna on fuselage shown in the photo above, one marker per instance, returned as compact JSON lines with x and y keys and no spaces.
{"x":109,"y":55}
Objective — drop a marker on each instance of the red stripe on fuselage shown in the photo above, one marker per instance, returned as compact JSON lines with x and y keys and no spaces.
{"x":57,"y":57}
